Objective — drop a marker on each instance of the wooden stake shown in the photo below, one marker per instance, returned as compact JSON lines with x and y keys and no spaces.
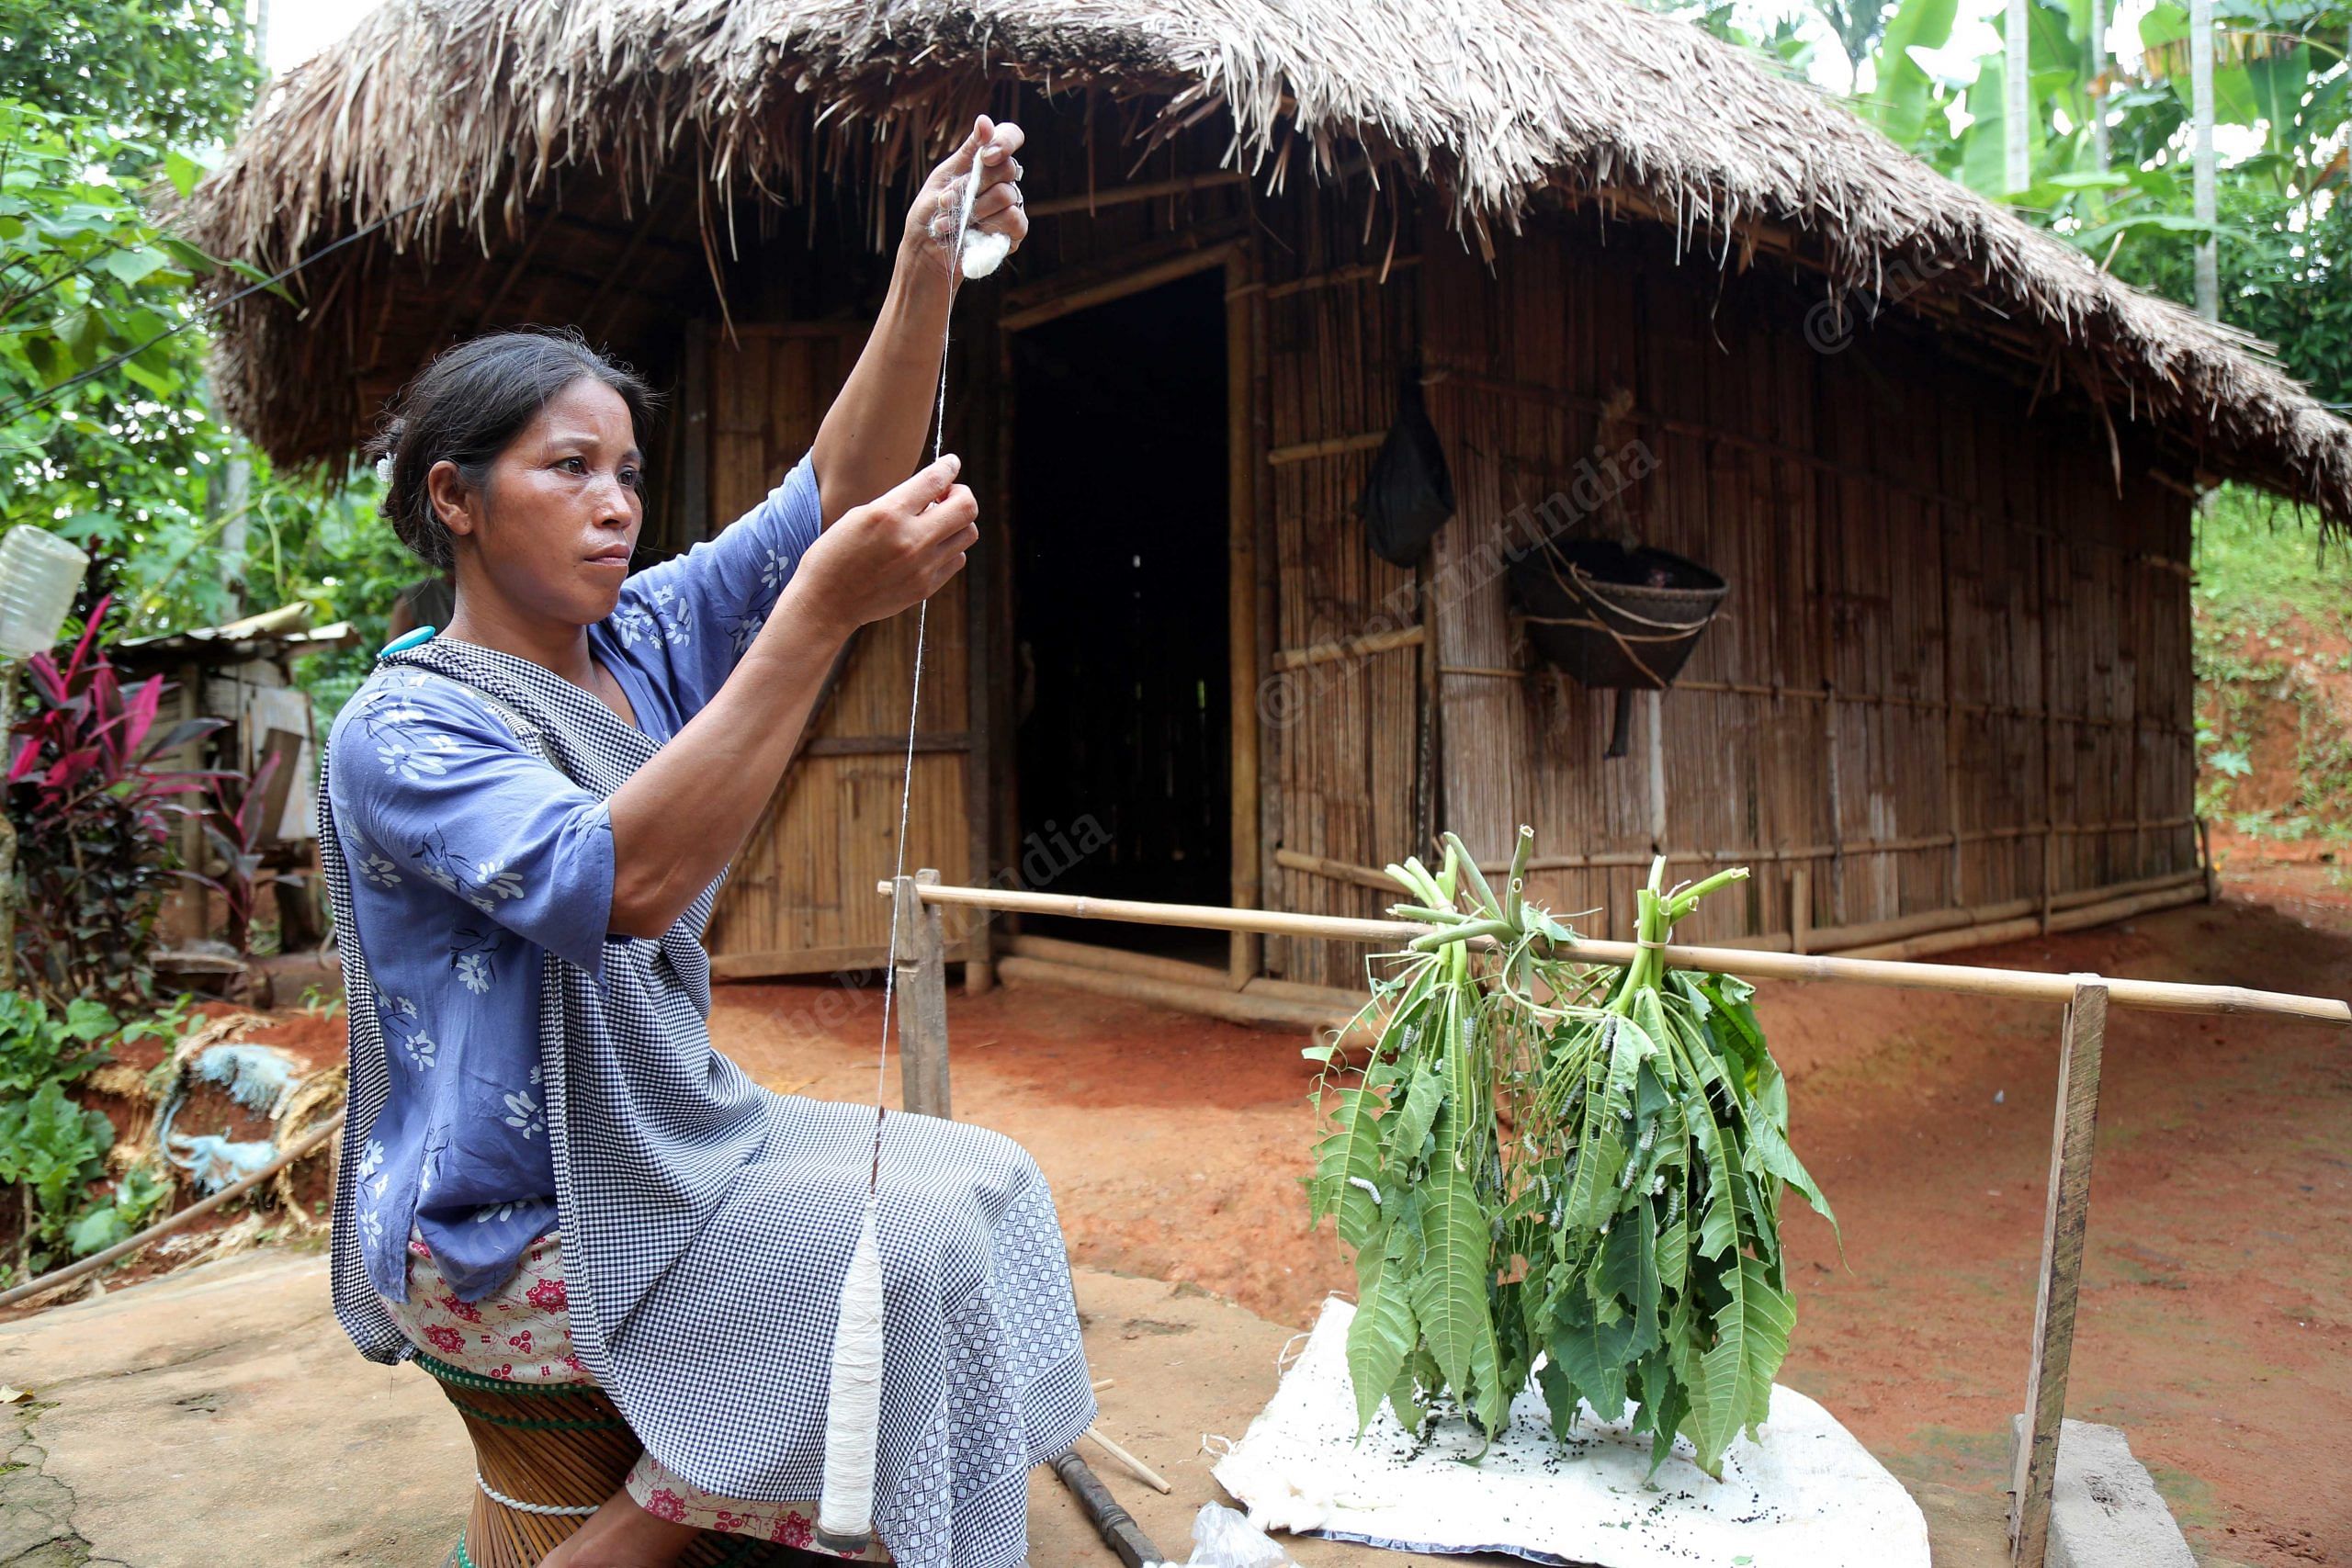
{"x":1799,"y":909}
{"x":2064,"y":1218}
{"x":922,"y":1000}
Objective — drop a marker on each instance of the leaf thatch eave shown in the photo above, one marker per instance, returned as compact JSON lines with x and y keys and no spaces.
{"x":442,"y":119}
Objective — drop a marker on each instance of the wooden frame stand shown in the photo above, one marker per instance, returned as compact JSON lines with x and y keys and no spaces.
{"x":2065,"y":1217}
{"x":922,"y":999}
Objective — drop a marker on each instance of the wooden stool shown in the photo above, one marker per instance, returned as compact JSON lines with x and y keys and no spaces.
{"x":564,"y":1446}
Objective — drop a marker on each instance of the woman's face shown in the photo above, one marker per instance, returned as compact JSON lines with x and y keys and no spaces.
{"x":551,"y":532}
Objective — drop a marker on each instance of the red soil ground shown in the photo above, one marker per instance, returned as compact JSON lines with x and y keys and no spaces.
{"x":2214,"y":1324}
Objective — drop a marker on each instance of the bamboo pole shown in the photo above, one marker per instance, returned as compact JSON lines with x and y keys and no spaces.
{"x":1115,"y":961}
{"x":1245,"y":951}
{"x":2161,"y":996}
{"x":1817,"y":939}
{"x":1120,"y":195}
{"x":1181,"y":263}
{"x":163,"y":1227}
{"x":1343,"y":1001}
{"x":1350,"y":647}
{"x":1866,"y":941}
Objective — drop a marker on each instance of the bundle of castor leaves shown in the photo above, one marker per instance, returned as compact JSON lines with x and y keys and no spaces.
{"x":1555,"y":1168}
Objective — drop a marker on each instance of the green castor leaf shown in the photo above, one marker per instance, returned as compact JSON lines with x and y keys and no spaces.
{"x":1560,"y":1173}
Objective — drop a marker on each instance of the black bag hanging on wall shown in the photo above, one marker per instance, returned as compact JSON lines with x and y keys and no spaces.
{"x":1408,"y":495}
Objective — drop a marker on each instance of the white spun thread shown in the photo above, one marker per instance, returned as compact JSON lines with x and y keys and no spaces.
{"x":550,"y":1509}
{"x":914,"y":699}
{"x":853,"y":1403}
{"x":853,"y":1397}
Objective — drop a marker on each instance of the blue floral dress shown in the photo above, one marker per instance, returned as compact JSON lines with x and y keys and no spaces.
{"x":504,"y":1047}
{"x":469,"y":859}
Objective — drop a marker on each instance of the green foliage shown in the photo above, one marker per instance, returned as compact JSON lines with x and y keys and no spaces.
{"x":104,"y":435}
{"x":105,"y":111}
{"x":2281,"y":230}
{"x":118,"y":1217}
{"x":52,"y":1149}
{"x":1902,"y":97}
{"x":178,"y":71}
{"x":2254,"y":557}
{"x":2286,"y":270}
{"x":90,"y":788}
{"x":38,"y":1046}
{"x":2273,"y":611}
{"x":1561,"y":1170}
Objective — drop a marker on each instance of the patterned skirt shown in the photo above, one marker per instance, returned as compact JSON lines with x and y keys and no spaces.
{"x":522,"y":1333}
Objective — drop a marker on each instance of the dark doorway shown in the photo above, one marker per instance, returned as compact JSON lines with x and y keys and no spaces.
{"x":1120,"y":528}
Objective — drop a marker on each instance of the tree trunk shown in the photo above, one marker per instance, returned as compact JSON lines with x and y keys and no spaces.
{"x":2097,"y":66}
{"x":2017,"y":86}
{"x":2200,"y":73}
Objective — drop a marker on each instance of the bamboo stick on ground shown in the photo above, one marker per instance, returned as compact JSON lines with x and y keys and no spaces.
{"x":1143,"y":1471}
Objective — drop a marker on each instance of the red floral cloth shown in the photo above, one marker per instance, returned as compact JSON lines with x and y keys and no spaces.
{"x":522,"y":1332}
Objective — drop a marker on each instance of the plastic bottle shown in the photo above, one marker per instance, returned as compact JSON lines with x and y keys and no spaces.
{"x":39,"y":574}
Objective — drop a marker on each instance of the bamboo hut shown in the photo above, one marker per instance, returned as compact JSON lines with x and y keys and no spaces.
{"x":1946,"y":464}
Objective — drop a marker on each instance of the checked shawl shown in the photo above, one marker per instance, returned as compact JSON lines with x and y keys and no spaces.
{"x":707,"y":1222}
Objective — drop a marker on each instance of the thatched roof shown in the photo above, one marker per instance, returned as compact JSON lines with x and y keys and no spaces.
{"x":453,"y":114}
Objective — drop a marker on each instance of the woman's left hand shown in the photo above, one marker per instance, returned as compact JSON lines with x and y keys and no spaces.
{"x":988,"y":155}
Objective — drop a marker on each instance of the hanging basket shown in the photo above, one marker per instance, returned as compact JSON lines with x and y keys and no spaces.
{"x":1615,"y":618}
{"x":1612,"y":616}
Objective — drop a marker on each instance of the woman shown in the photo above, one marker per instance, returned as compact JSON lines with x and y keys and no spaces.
{"x":550,"y":1172}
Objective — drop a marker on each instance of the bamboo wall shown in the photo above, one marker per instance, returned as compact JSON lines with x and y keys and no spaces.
{"x":1950,"y":649}
{"x":1344,"y":730}
{"x":1953,"y":670}
{"x":800,"y":897}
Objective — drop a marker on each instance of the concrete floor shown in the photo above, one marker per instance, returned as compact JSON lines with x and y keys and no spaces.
{"x":219,"y":1415}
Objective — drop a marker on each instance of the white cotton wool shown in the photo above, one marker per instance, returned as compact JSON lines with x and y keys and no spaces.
{"x":983,"y":251}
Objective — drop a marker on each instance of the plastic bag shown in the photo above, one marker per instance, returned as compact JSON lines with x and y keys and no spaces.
{"x":1409,"y":494}
{"x":1224,"y":1538}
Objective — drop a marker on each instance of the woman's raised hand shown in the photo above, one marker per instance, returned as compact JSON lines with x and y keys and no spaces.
{"x":930,"y":221}
{"x":890,"y":554}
